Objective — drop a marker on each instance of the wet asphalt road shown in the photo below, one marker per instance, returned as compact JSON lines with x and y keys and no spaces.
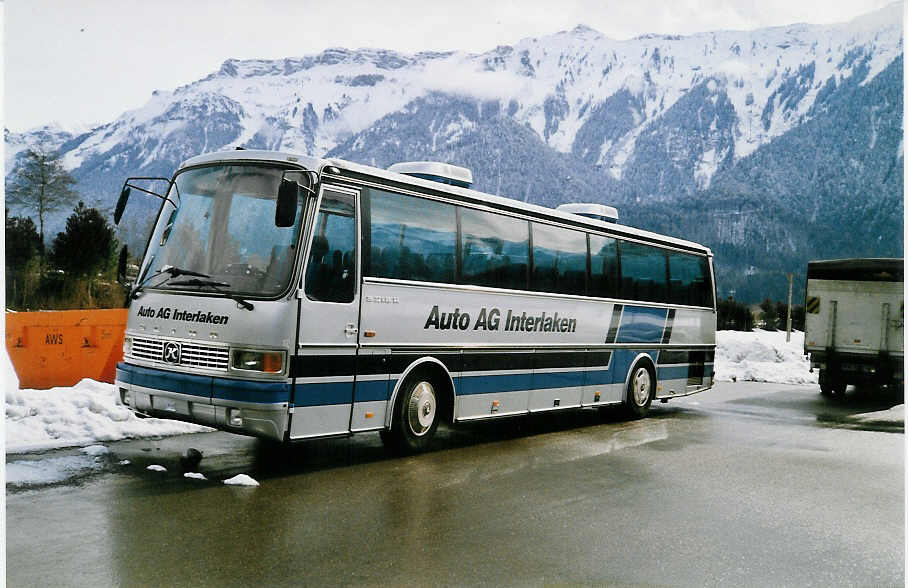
{"x":747,"y":484}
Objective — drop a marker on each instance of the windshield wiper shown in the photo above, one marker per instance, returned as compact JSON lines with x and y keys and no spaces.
{"x":218,"y":287}
{"x":172,"y":272}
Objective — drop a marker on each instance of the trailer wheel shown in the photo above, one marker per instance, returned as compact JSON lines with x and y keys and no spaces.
{"x":415,"y":417}
{"x":825,"y":385}
{"x":831,"y":386}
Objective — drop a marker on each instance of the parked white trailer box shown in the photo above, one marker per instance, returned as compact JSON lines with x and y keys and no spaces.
{"x":855,"y":322}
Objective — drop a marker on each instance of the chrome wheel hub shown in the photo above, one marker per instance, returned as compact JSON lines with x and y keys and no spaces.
{"x":642,"y":385}
{"x":421,"y":408}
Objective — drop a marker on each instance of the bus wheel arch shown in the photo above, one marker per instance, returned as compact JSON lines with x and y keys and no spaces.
{"x":640,"y":386}
{"x":423,"y":397}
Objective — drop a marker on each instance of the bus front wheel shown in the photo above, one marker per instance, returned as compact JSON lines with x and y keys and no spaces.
{"x":640,"y":390}
{"x":415,"y":416}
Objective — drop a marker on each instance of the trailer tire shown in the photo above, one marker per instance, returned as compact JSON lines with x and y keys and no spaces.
{"x":827,"y":384}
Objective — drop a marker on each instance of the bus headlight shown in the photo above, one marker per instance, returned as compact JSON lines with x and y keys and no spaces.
{"x":252,"y":360}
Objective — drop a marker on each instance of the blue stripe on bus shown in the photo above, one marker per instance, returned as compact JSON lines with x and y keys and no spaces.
{"x":523,"y":382}
{"x":323,"y":393}
{"x":641,"y":324}
{"x":246,"y":391}
{"x":623,"y":359}
{"x":204,"y":387}
{"x":500,"y":383}
{"x":598,"y":378}
{"x":372,"y":391}
{"x":123,"y":373}
{"x":189,"y":384}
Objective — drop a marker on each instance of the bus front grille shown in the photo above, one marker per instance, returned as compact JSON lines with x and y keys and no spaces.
{"x":191,"y":354}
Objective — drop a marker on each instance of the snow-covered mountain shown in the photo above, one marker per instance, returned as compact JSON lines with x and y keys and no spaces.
{"x":574,"y":115}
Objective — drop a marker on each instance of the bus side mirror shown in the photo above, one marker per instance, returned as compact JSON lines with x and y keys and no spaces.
{"x":285,"y":213}
{"x":121,"y":265}
{"x":121,"y":204}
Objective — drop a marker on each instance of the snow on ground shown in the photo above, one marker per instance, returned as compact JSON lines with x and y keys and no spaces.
{"x":762,"y":356}
{"x":895,"y":415}
{"x":83,"y":414}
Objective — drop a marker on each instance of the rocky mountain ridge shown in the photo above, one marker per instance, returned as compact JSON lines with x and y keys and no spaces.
{"x":670,"y":125}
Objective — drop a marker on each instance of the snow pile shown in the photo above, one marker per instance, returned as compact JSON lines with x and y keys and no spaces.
{"x":241,"y":480}
{"x":762,"y":356}
{"x":81,"y":415}
{"x":894,"y":415}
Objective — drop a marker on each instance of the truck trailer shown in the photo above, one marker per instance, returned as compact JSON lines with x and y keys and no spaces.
{"x":854,"y":332}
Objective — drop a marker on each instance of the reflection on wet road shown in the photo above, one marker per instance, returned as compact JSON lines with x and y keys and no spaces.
{"x":750,"y":484}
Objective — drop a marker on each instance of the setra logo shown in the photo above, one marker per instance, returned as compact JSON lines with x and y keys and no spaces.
{"x":172,"y":352}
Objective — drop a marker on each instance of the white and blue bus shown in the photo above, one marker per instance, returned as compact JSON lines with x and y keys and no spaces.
{"x":291,"y":298}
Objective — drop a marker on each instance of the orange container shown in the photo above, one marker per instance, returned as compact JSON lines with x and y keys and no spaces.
{"x":59,"y":348}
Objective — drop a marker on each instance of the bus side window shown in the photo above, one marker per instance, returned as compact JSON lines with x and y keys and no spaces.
{"x":643,"y":272}
{"x":689,"y":279}
{"x":330,"y":271}
{"x":603,"y":266}
{"x":411,"y":238}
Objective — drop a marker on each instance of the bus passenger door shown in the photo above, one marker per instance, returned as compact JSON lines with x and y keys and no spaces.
{"x":324,"y":368}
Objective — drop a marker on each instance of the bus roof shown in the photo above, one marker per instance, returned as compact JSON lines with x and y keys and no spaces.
{"x":305,"y":161}
{"x":464,"y":194}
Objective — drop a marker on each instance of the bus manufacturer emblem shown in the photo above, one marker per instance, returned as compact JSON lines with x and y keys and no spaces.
{"x":172,"y":352}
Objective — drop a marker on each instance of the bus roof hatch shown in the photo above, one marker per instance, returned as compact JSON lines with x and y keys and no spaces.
{"x":436,"y":171}
{"x":590,"y":210}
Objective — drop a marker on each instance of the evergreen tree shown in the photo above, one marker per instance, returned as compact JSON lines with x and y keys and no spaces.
{"x":734,"y":316}
{"x":23,"y":245}
{"x":41,"y":184}
{"x":798,"y":316}
{"x":781,"y":315}
{"x":22,"y":241}
{"x":87,"y":247}
{"x":768,"y":315}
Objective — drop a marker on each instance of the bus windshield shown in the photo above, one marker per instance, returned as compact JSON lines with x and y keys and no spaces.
{"x":223,"y":227}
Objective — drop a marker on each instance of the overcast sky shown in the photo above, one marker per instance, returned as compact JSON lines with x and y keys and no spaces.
{"x":79,"y":62}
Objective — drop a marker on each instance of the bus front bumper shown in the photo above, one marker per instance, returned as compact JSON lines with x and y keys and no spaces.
{"x":246,"y":407}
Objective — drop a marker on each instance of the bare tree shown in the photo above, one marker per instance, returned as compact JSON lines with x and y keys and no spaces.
{"x":39,"y":183}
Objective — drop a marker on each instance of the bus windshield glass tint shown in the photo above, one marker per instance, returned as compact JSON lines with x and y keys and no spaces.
{"x":223,"y":227}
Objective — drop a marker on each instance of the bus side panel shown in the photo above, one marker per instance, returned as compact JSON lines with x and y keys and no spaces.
{"x":373,"y":387}
{"x":599,"y":386}
{"x":495,"y":383}
{"x":681,"y":371}
{"x":324,"y":392}
{"x":526,"y":352}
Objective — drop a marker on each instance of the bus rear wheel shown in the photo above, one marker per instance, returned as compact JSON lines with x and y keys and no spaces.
{"x":415,"y":416}
{"x":640,"y":388}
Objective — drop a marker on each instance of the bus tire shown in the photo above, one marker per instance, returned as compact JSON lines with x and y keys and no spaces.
{"x":640,"y":391}
{"x":416,"y":415}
